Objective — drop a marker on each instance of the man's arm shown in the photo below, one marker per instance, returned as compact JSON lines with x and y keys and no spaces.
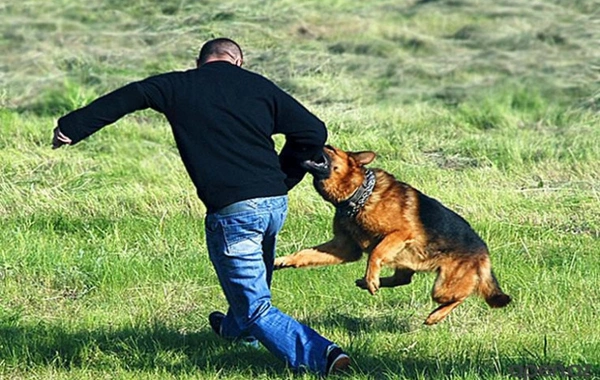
{"x":305,"y":137}
{"x":109,"y":108}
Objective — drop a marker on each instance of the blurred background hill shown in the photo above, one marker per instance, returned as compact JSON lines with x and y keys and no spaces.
{"x":56,"y":54}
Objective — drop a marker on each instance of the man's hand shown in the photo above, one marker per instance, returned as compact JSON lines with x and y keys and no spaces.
{"x":59,"y":139}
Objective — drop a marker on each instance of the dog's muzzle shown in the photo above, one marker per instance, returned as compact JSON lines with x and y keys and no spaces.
{"x":319,"y":168}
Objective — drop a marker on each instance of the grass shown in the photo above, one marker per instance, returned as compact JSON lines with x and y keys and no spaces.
{"x":492,"y":108}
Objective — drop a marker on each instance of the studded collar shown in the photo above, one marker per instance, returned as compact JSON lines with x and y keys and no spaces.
{"x":351,"y":206}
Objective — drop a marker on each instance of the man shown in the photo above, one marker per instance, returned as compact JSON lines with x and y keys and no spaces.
{"x":223,"y":117}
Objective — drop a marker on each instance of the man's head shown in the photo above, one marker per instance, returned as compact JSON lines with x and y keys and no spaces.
{"x":221,"y":49}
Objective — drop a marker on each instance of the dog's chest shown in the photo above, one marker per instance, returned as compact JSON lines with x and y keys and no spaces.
{"x":366,"y":238}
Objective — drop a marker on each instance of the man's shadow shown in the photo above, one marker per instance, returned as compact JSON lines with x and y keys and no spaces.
{"x":154,"y":348}
{"x":161,"y":348}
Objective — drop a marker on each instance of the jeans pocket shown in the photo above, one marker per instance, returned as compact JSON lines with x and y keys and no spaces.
{"x":243,"y":237}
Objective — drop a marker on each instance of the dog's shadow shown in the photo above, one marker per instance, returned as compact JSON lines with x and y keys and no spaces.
{"x":362,"y":324}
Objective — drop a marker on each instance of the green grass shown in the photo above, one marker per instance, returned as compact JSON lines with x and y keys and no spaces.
{"x":491,"y":107}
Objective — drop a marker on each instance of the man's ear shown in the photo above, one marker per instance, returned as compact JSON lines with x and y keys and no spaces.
{"x":363,"y":158}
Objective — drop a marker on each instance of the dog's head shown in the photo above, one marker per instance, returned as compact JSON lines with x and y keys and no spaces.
{"x":338,"y":174}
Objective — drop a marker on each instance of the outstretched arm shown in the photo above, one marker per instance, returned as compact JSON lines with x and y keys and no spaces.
{"x":107,"y":109}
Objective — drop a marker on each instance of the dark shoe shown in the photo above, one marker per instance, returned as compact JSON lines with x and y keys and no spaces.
{"x":338,"y":361}
{"x":215,"y":319}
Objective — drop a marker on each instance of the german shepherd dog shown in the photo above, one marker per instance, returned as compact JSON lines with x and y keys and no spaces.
{"x":400,"y":227}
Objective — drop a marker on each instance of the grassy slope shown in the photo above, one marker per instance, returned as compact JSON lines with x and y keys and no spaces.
{"x":491,"y":109}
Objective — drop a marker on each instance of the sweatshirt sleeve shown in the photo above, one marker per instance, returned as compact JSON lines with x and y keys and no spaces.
{"x":81,"y":123}
{"x":305,"y":136}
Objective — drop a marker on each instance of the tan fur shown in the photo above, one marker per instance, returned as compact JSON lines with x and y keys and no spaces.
{"x":389,"y":228}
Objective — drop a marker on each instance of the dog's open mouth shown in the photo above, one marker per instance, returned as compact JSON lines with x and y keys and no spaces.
{"x":320,"y":167}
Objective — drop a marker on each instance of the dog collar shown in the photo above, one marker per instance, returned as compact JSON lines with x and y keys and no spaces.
{"x":351,"y":206}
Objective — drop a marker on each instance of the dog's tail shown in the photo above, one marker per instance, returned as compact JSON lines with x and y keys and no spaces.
{"x":489,"y":287}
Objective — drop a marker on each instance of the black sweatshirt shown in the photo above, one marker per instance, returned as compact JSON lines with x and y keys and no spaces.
{"x":222,"y":117}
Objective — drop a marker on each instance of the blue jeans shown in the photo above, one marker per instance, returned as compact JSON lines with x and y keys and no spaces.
{"x":241,"y":241}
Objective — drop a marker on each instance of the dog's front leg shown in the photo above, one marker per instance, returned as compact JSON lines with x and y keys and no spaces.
{"x":336,"y":251}
{"x":383,"y":253}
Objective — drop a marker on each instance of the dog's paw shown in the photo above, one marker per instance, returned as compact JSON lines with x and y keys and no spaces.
{"x":373,"y":286}
{"x":432,"y":320}
{"x":361,"y":283}
{"x":372,"y":280}
{"x":281,"y":263}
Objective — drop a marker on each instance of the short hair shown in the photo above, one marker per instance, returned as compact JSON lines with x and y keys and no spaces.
{"x":220,"y":47}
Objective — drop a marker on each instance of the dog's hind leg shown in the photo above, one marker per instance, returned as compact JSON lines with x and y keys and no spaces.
{"x":456,"y":280}
{"x":441,"y":312}
{"x":402,"y":276}
{"x":336,"y":251}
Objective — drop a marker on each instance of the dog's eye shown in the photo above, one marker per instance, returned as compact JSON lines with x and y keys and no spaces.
{"x":336,"y":168}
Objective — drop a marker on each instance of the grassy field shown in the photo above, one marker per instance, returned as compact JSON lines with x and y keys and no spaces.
{"x":490,"y":107}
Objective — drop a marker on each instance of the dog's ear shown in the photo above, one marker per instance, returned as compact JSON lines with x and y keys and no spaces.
{"x":363,"y":158}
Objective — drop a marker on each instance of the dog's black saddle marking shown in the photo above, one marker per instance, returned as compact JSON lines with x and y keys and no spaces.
{"x":351,"y":206}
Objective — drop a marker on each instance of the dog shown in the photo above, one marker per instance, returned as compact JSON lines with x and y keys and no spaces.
{"x":400,"y":227}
